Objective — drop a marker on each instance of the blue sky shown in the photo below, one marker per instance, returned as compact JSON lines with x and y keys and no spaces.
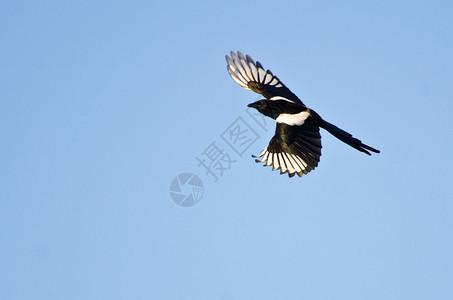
{"x":104,"y":103}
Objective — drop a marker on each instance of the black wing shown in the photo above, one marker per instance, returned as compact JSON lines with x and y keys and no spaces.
{"x":251,"y":76}
{"x":293,"y":149}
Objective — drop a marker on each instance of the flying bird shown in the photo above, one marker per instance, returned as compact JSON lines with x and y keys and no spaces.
{"x":296,"y":146}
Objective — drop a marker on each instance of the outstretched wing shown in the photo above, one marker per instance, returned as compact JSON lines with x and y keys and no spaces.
{"x":251,"y":76}
{"x":293,"y":149}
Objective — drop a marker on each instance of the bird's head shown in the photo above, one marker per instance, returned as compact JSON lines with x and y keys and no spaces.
{"x":264,"y":107}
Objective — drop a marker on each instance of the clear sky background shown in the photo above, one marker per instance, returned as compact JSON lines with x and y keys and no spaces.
{"x":103,"y":103}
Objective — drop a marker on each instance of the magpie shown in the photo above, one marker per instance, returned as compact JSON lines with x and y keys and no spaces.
{"x":296,"y":146}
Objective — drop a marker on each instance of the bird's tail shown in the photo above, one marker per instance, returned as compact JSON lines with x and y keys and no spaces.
{"x":347,"y":138}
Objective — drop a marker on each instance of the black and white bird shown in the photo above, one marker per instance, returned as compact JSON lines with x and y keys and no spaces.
{"x":296,"y":145}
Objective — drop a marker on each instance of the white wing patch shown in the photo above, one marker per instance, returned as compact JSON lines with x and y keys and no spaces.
{"x":243,"y":70}
{"x":293,"y":119}
{"x":276,"y":161}
{"x":262,"y":75}
{"x":285,"y":162}
{"x":237,"y":73}
{"x":279,"y":98}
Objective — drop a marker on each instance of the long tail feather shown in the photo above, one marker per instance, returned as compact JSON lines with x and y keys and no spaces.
{"x":347,"y":138}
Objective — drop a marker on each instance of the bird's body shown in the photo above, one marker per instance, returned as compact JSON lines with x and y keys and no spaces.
{"x":296,"y":145}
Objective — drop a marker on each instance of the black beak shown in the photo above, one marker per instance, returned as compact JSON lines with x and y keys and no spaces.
{"x":254,"y":105}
